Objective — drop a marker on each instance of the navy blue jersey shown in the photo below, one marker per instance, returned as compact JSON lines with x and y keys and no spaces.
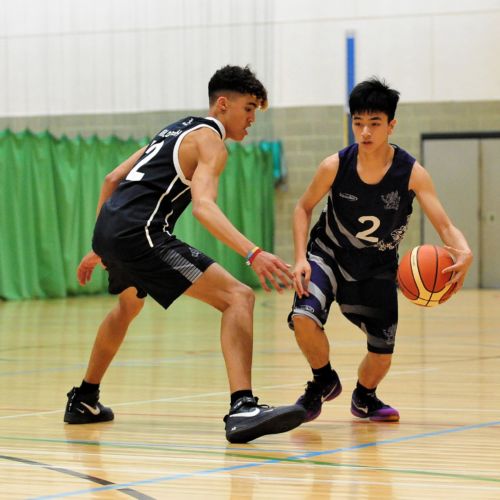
{"x":363,"y":224}
{"x":147,"y":204}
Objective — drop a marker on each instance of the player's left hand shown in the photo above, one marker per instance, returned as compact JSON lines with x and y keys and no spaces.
{"x":463,"y":260}
{"x":86,"y":267}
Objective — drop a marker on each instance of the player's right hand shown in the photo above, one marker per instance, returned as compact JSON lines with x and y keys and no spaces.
{"x":301,"y":277}
{"x":270,"y":267}
{"x":86,"y":267}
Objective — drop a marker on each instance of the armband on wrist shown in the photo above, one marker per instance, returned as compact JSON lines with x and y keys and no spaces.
{"x":252,"y":254}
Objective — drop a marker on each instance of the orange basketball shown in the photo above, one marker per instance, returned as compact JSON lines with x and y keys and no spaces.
{"x":420,"y":278}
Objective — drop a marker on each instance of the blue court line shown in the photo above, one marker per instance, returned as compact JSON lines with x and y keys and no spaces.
{"x":292,"y":459}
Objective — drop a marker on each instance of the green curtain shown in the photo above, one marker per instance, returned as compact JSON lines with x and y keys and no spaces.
{"x":49,"y":191}
{"x":279,"y":167}
{"x":246,"y":196}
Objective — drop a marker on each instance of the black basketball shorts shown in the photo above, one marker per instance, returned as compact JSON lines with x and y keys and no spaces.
{"x":164,"y":272}
{"x":371,"y":304}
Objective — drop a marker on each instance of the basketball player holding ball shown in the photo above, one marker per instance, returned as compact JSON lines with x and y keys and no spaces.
{"x":352,"y":252}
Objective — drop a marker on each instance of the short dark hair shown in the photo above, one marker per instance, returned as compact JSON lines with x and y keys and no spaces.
{"x":236,"y":79}
{"x":373,"y":95}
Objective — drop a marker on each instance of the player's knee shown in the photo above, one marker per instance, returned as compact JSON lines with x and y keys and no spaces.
{"x":241,"y":295}
{"x":302,"y":324}
{"x":130,"y":307}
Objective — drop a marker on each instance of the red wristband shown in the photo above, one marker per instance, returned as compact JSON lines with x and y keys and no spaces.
{"x":251,"y":258}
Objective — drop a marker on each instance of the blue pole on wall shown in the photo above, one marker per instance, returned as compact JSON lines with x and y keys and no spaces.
{"x":351,"y":81}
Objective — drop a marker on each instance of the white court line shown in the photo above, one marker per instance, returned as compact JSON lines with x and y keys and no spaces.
{"x":196,"y":396}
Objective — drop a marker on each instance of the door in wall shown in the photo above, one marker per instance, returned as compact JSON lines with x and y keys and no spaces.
{"x":466,"y":173}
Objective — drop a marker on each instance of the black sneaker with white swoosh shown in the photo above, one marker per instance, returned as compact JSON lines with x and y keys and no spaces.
{"x":372,"y":408}
{"x":315,"y":395}
{"x":85,"y":408}
{"x":248,"y":420}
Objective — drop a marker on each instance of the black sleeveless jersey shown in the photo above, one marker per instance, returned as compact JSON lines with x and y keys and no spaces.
{"x":148,"y":202}
{"x":363,"y":224}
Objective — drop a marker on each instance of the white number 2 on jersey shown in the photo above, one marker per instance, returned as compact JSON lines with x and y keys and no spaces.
{"x":151,"y":152}
{"x":365,"y":235}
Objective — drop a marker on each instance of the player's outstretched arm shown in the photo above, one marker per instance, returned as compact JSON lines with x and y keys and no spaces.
{"x":212,"y":156}
{"x":315,"y":192}
{"x":453,"y":239}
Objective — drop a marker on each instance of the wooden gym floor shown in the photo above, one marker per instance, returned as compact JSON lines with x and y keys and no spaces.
{"x":169,"y":393}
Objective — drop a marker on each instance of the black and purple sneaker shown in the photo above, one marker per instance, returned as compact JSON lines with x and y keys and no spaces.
{"x":373,"y":408}
{"x":315,"y":395}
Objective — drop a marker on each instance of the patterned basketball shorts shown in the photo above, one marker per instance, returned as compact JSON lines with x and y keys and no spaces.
{"x":165,"y":272}
{"x":371,"y":304}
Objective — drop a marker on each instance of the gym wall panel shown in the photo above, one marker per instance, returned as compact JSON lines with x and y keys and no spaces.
{"x":125,"y":75}
{"x":309,"y":62}
{"x":431,"y":51}
{"x":400,"y":51}
{"x":466,"y":71}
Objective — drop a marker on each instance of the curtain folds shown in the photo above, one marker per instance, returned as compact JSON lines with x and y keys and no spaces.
{"x":49,"y":191}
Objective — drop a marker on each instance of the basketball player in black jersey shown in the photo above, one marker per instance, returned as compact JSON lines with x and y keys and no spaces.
{"x":134,"y":238}
{"x":351,"y":255}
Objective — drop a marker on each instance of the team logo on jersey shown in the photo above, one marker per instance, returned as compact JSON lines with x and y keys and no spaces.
{"x":396,"y":236}
{"x":390,"y":334}
{"x":195,"y":253}
{"x":188,"y":122}
{"x":391,"y":200}
{"x":348,"y":196}
{"x":169,"y":133}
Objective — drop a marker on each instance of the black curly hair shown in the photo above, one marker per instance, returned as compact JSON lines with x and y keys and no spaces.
{"x":373,"y":95}
{"x":236,"y":79}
